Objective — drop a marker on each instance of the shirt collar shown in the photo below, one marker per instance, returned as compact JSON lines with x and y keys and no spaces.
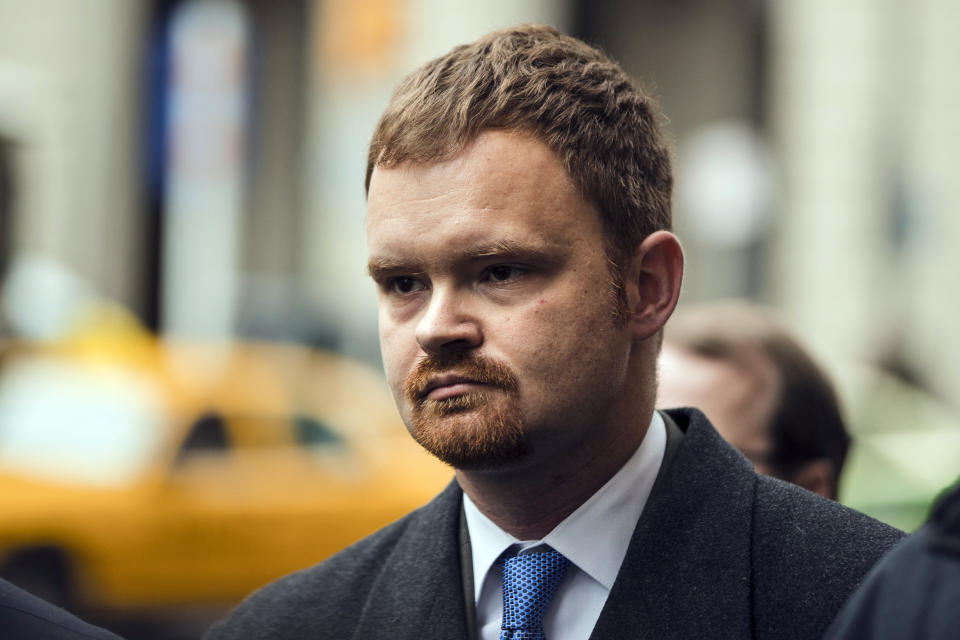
{"x":598,"y":551}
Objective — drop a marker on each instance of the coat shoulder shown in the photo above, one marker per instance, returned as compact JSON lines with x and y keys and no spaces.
{"x":810,"y":554}
{"x":913,"y":592}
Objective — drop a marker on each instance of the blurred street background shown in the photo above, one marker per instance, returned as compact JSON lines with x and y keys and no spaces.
{"x":190,"y":335}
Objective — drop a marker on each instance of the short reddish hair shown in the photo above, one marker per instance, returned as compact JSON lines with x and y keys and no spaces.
{"x":569,"y":95}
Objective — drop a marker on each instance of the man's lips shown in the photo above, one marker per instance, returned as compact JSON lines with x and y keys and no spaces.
{"x":447,"y":386}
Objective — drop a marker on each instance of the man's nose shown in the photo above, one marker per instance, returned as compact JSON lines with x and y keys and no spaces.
{"x":448,"y":324}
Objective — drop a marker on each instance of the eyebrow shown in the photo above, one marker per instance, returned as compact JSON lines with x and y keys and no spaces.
{"x":499,"y":248}
{"x":378,"y":267}
{"x":508,"y":249}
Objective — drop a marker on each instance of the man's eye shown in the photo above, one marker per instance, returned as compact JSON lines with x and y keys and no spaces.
{"x":504,"y":273}
{"x":405,"y":285}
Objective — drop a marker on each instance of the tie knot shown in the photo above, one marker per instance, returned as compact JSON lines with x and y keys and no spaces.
{"x":529,"y":582}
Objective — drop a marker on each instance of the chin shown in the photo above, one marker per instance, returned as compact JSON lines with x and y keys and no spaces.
{"x":477,"y":438}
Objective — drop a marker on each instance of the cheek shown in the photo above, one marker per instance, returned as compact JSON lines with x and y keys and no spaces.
{"x":564,"y":334}
{"x":396,"y":369}
{"x":595,"y":347}
{"x":395,"y":353}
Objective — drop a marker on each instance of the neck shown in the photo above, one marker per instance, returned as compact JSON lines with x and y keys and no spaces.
{"x":529,"y":501}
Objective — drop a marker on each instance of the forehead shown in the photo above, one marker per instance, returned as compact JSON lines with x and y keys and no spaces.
{"x":503,"y":184}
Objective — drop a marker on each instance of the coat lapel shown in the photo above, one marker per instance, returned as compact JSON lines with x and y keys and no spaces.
{"x":687,"y":572}
{"x":418,"y":594}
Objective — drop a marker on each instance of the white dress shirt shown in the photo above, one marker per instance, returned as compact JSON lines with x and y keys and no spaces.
{"x":594,"y":538}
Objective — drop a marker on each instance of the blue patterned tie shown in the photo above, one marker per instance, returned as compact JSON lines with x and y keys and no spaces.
{"x":529,"y":582}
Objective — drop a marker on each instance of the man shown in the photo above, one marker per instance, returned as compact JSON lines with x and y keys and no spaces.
{"x":765,"y":395}
{"x":518,"y":207}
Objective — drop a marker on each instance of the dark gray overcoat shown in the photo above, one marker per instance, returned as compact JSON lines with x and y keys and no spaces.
{"x":719,"y":552}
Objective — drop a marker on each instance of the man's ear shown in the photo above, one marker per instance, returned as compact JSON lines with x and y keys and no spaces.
{"x":653,"y":285}
{"x":816,"y":476}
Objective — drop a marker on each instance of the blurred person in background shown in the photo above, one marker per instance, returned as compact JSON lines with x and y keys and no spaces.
{"x":24,"y":616}
{"x":914,"y":592}
{"x":518,"y":223}
{"x":738,"y":363}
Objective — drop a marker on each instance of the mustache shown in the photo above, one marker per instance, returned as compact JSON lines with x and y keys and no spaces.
{"x":475,"y":368}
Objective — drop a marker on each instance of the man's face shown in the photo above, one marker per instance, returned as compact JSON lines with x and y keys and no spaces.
{"x":497,"y":313}
{"x":738,"y":400}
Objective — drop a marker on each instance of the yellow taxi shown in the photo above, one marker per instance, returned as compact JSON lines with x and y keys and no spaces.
{"x":142,"y":475}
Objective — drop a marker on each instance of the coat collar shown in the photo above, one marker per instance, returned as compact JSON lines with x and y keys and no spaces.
{"x":687,"y":572}
{"x":417,"y":596}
